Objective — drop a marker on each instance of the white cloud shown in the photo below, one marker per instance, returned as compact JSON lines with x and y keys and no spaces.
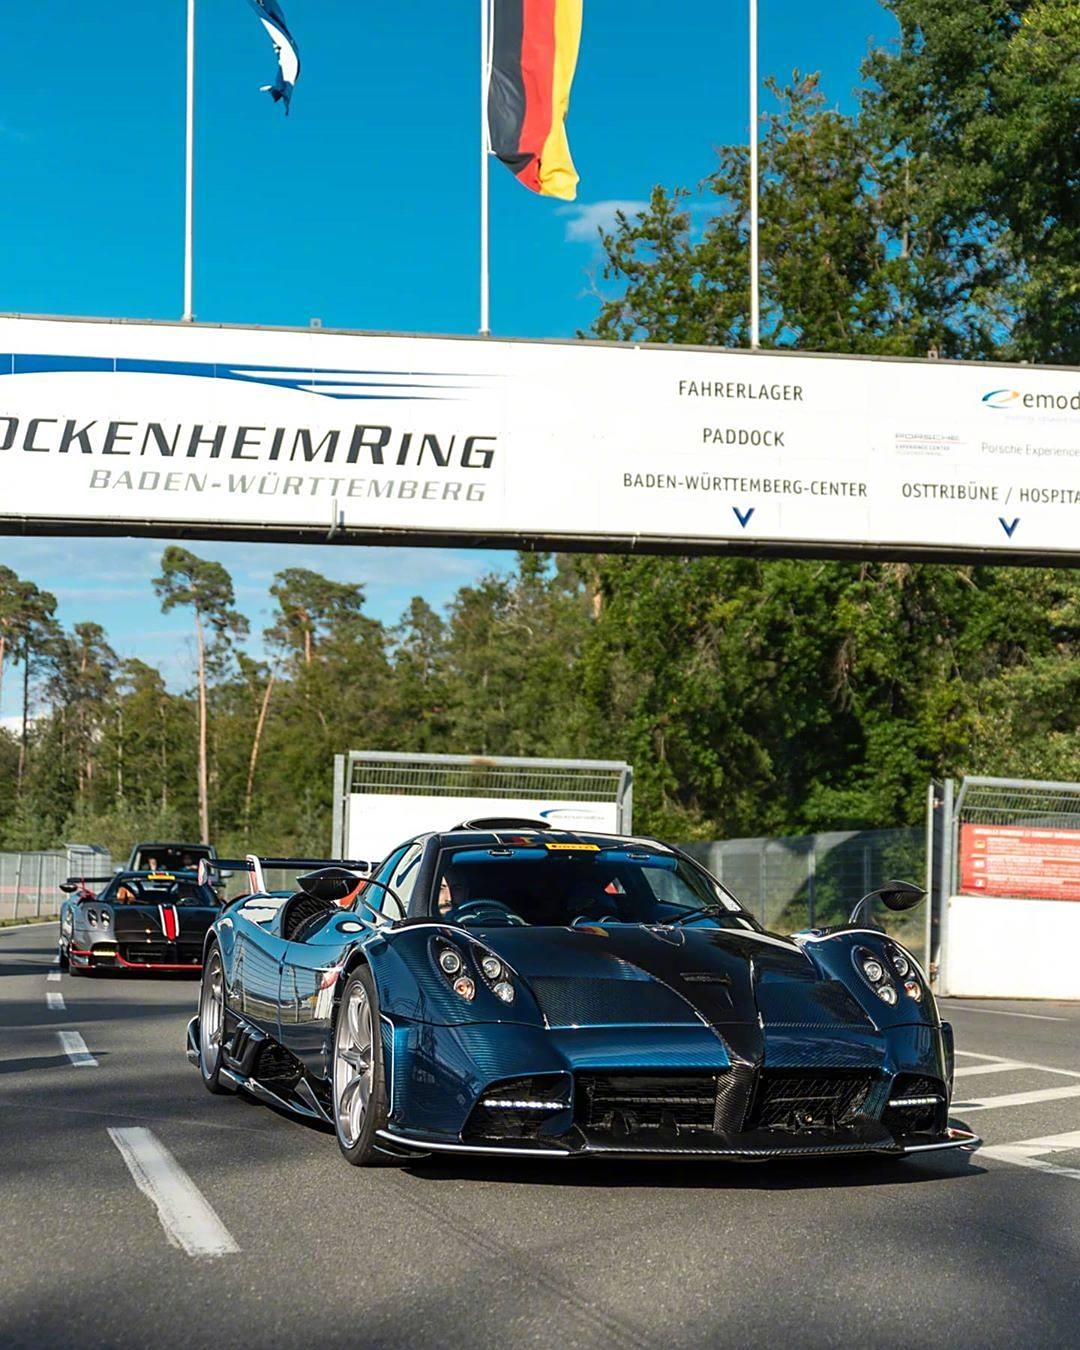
{"x":584,"y":220}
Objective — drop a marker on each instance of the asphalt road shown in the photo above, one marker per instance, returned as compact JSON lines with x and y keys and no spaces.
{"x":956,"y":1250}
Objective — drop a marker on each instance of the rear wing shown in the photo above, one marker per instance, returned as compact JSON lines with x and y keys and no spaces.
{"x":82,"y":882}
{"x":256,"y":867}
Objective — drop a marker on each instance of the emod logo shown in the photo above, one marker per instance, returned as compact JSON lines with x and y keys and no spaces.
{"x":1014,"y":399}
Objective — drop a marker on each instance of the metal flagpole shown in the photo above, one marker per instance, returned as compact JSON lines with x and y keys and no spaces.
{"x":755,"y":304}
{"x":485,"y":62}
{"x":189,"y":166}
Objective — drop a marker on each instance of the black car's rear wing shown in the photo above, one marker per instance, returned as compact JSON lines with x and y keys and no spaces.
{"x":152,"y":874}
{"x":257,"y":866}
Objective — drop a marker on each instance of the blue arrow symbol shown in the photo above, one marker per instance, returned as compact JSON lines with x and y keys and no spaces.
{"x":1007,"y":527}
{"x":740,"y":517}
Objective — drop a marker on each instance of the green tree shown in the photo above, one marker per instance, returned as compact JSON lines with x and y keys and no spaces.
{"x":979,"y":100}
{"x":206,"y":588}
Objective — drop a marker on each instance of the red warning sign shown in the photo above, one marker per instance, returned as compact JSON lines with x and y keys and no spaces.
{"x":1012,"y":860}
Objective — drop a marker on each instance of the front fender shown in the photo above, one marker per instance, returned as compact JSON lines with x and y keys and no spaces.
{"x":412,"y":988}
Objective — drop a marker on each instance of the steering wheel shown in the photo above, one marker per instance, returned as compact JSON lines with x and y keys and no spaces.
{"x":479,"y":910}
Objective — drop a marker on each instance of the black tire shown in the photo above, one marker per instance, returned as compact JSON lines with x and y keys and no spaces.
{"x":357,"y":1138}
{"x":211,"y":991}
{"x":77,"y":972}
{"x":62,"y":957}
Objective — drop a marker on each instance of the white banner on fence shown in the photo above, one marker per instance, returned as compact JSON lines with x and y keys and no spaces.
{"x":158,"y":428}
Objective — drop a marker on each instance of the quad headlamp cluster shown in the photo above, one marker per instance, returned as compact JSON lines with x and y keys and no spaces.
{"x":100,"y":918}
{"x":457,"y":969}
{"x":879,"y":973}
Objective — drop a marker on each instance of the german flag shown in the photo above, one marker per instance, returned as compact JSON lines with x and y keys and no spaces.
{"x":534,"y":52}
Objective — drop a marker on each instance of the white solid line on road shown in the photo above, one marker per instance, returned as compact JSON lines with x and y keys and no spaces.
{"x":1004,"y":1066}
{"x":22,"y":927}
{"x":1017,"y":1099}
{"x":1028,"y":1153}
{"x":74,"y":1047}
{"x":53,"y":975}
{"x":55,"y":1000}
{"x":187,"y":1218}
{"x":1003,"y":1012}
{"x":1013,"y":1064}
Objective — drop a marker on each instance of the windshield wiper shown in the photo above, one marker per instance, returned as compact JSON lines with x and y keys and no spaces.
{"x":692,"y":915}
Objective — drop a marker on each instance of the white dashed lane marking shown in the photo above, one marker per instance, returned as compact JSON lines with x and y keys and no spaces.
{"x":189,"y":1221}
{"x":1003,"y":1012}
{"x":53,"y":975}
{"x":75,"y":1048}
{"x":1032,"y":1153}
{"x":55,"y":1000}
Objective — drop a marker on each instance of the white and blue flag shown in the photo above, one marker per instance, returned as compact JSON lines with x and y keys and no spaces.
{"x":288,"y":54}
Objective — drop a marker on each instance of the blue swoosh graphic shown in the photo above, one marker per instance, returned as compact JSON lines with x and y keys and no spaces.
{"x":407,"y":385}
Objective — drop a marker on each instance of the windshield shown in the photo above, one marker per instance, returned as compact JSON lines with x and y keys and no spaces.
{"x":168,"y":858}
{"x":557,"y":884}
{"x":158,"y":891}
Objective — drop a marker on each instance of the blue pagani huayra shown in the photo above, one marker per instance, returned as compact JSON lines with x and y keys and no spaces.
{"x":503,"y":988}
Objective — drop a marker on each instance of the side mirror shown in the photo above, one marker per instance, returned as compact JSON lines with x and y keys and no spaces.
{"x":69,"y":887}
{"x":894,"y":895}
{"x":900,"y":895}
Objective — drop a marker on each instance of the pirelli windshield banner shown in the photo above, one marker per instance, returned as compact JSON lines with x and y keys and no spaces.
{"x":181,"y":429}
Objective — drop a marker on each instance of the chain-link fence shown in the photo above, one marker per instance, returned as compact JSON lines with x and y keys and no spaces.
{"x":30,"y":882}
{"x":814,"y":880}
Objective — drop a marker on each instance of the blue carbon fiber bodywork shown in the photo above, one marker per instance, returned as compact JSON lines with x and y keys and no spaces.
{"x":601,"y":1014}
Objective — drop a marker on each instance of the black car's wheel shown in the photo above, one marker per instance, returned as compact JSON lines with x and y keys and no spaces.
{"x":212,"y":1021}
{"x":62,"y":956}
{"x":358,"y":1081}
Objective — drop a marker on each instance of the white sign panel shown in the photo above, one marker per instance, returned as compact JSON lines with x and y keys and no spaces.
{"x":158,"y":428}
{"x":378,"y":822}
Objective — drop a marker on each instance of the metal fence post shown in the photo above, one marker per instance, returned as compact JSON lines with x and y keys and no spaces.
{"x":946,"y":884}
{"x":40,"y":877}
{"x":18,"y":884}
{"x":811,"y":874}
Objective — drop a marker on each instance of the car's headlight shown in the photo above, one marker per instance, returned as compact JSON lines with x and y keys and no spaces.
{"x":91,"y":918}
{"x":450,"y":962}
{"x":900,"y":963}
{"x":104,"y":918}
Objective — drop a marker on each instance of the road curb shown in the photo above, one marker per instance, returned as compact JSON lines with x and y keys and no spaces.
{"x":22,"y":927}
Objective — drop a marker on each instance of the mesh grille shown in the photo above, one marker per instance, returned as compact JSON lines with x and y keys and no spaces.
{"x":626,"y":1103}
{"x":802,"y":1101}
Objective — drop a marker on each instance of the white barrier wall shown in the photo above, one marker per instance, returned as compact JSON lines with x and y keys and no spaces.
{"x":998,"y":947}
{"x":378,"y":822}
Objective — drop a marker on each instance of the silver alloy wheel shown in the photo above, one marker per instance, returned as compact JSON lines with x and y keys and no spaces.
{"x":211,"y":1014}
{"x":354,"y":1067}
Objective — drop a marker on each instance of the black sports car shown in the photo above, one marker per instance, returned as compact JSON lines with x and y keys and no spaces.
{"x":504,"y":988}
{"x":139,"y":921}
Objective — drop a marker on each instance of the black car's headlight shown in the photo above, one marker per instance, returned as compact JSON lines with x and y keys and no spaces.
{"x":872,"y":969}
{"x":104,"y":918}
{"x":497,"y":974}
{"x":91,"y":918}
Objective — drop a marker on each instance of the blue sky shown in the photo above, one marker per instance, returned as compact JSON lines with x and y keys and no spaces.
{"x":359,"y":209}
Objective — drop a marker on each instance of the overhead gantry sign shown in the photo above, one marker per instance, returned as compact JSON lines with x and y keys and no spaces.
{"x":189,"y":430}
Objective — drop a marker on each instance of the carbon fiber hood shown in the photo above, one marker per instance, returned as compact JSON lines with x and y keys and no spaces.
{"x":669,"y":975}
{"x":140,"y":921}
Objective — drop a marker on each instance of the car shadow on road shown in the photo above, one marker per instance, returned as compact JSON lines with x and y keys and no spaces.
{"x":774,"y":1174}
{"x":31,"y":1063}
